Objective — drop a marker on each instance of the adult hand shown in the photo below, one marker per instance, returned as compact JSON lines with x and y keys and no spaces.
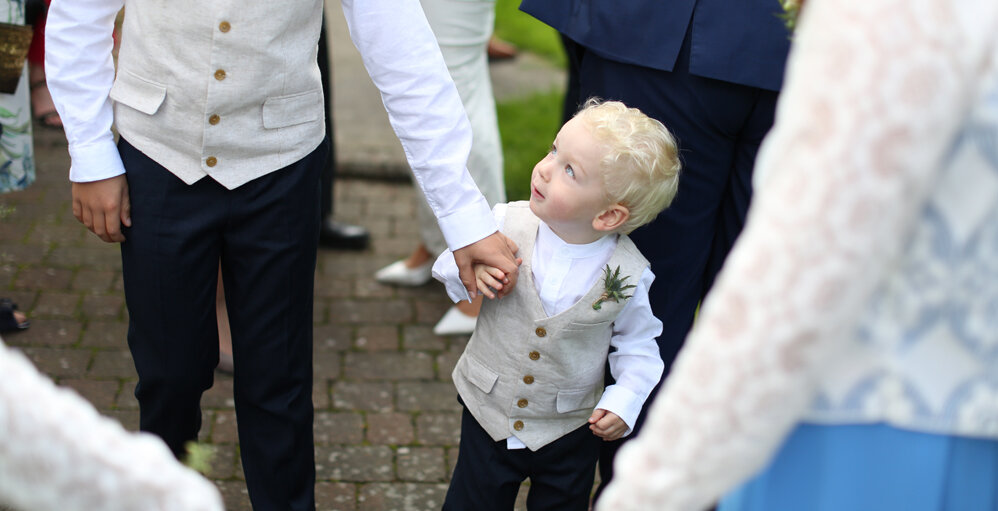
{"x":495,"y":250}
{"x":103,"y":207}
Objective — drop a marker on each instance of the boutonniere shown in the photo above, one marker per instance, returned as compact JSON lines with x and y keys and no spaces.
{"x":791,"y":10}
{"x":613,"y":288}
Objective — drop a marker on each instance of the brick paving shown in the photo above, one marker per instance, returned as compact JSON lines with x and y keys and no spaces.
{"x":387,"y":422}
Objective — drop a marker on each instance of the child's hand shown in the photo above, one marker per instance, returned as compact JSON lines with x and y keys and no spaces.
{"x":607,"y":425}
{"x":489,"y":280}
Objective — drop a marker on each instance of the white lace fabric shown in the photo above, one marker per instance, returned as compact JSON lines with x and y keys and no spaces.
{"x":875,"y":94}
{"x":58,"y":454}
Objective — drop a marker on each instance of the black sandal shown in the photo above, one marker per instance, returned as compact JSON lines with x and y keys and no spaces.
{"x":8,"y":322}
{"x":45,"y":119}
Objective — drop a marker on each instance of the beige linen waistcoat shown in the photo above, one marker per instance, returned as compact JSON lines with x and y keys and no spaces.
{"x":538,"y":377}
{"x":222,"y":88}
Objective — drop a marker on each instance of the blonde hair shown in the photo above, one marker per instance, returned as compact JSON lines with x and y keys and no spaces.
{"x":641,"y":165}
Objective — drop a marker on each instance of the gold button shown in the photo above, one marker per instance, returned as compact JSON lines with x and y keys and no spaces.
{"x":211,"y":161}
{"x":522,"y":403}
{"x":220,"y":74}
{"x":224,"y":26}
{"x":518,"y":425}
{"x":540,"y":331}
{"x":534,"y":355}
{"x":214,"y":119}
{"x":528,"y":379}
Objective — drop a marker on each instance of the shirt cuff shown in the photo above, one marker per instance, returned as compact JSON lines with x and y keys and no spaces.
{"x":468,"y":224}
{"x":445,"y":270}
{"x":621,"y":401}
{"x":95,"y":161}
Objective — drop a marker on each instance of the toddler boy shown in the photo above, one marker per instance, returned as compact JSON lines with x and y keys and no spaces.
{"x":531,"y":377}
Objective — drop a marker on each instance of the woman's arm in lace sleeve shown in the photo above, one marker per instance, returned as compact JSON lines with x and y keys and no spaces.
{"x":57,"y":453}
{"x":875,"y":92}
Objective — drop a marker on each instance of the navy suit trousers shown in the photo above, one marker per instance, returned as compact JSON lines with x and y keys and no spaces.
{"x":488,"y":475}
{"x":265,"y":234}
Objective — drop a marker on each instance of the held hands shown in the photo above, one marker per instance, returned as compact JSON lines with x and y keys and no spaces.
{"x":103,"y":207}
{"x":496,"y":251}
{"x":488,"y":279}
{"x":607,"y":425}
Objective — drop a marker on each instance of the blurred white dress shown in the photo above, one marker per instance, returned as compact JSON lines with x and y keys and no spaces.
{"x":863,"y":291}
{"x":58,"y":454}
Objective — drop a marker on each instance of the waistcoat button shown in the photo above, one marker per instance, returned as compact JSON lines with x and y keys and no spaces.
{"x":534,"y":355}
{"x":214,"y":119}
{"x":522,"y":403}
{"x":518,"y":425}
{"x":211,"y":161}
{"x":541,"y":332}
{"x":220,"y":74}
{"x":528,"y":379}
{"x":224,"y":26}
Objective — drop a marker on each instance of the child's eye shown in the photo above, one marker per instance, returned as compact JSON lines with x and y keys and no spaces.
{"x":554,"y":150}
{"x":569,"y":171}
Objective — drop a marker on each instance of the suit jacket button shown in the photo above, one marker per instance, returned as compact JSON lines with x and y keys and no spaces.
{"x":528,"y":379}
{"x":541,"y":332}
{"x":522,"y":403}
{"x":534,"y":355}
{"x":518,"y":425}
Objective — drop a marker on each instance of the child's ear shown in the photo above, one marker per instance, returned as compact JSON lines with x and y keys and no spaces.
{"x":611,"y":218}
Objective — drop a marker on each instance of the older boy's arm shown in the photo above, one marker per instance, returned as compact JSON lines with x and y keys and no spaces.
{"x":79,"y":73}
{"x":424,"y":108}
{"x":636,"y":364}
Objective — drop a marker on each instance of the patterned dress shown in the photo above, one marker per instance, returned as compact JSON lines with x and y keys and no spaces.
{"x":17,"y":162}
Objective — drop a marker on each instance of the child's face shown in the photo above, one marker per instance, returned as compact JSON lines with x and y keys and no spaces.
{"x":566,"y":187}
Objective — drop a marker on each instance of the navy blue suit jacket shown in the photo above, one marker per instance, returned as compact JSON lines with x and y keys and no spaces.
{"x":737,"y":41}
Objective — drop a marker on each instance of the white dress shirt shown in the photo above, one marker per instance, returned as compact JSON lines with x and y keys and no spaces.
{"x":563,"y":273}
{"x":423,"y":106}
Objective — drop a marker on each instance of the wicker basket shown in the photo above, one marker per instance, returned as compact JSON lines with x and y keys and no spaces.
{"x":14,"y":43}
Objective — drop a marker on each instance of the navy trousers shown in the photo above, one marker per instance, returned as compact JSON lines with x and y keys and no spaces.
{"x":719,"y":127}
{"x":265,"y":234}
{"x":487,"y":476}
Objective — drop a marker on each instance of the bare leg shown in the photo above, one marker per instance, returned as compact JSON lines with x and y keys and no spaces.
{"x":418,"y":257}
{"x":224,"y":333}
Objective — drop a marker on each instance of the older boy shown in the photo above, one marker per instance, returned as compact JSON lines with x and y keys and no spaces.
{"x":531,"y":378}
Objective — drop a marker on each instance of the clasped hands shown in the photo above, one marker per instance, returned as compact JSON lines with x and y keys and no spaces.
{"x":493,"y":257}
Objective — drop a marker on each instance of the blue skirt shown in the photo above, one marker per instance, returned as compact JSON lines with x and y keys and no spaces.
{"x":873,"y":467}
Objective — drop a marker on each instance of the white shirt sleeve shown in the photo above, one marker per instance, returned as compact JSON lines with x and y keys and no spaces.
{"x":875,"y":93}
{"x":79,"y":72}
{"x":425,"y":110}
{"x":57,"y":452}
{"x":445,"y":269}
{"x":636,"y":364}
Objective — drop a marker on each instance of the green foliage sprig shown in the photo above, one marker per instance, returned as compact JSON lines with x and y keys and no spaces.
{"x":613,"y":288}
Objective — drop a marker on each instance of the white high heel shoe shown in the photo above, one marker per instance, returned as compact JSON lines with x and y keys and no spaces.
{"x":455,"y":322}
{"x":397,"y":274}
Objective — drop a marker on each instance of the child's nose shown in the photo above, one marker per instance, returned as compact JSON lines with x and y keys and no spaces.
{"x":544,"y":169}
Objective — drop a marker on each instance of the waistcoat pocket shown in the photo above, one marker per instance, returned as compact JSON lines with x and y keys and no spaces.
{"x":479,"y":375}
{"x":133,"y":91}
{"x":575,"y":399}
{"x":283,"y":111}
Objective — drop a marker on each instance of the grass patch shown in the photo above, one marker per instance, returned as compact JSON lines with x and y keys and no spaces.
{"x":527,"y":127}
{"x":527,"y":32}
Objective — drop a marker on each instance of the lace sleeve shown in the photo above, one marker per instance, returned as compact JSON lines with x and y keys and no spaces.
{"x":57,"y":453}
{"x":875,"y":92}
